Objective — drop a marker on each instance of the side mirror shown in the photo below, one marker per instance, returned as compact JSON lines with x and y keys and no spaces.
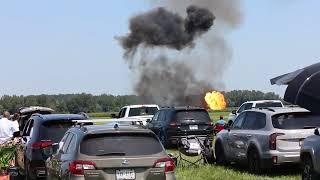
{"x":316,"y":132}
{"x":17,"y":134}
{"x":234,"y":112}
{"x":114,"y":115}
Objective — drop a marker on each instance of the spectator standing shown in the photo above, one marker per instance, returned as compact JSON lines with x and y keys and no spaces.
{"x":7,"y":128}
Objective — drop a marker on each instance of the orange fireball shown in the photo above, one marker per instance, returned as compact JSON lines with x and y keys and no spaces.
{"x":215,"y":100}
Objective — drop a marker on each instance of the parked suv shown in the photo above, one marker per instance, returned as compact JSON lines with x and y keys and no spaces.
{"x":265,"y":137}
{"x":255,"y":104}
{"x":40,"y":132}
{"x":310,"y":156}
{"x":172,"y":123}
{"x":115,"y":152}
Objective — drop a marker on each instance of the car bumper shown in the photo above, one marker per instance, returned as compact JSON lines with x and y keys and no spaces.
{"x":169,"y":176}
{"x":274,"y":158}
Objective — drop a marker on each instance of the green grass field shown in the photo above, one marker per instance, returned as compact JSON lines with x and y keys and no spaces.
{"x":232,"y":172}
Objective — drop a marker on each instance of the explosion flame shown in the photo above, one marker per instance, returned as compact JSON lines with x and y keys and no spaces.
{"x":215,"y":100}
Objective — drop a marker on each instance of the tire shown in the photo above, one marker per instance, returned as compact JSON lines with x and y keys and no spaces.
{"x":254,"y":162}
{"x":220,"y":155}
{"x":209,"y":156}
{"x":308,"y":170}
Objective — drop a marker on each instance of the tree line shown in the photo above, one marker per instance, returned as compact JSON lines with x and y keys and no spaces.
{"x":74,"y":103}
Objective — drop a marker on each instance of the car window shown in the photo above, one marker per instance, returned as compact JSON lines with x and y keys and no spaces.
{"x":269,"y":104}
{"x":73,"y":145}
{"x":142,"y":111}
{"x":62,"y":141}
{"x":54,"y":130}
{"x":296,"y":120}
{"x":156,"y":116}
{"x":242,"y":108}
{"x":30,"y":128}
{"x":66,"y":143}
{"x":254,"y":121}
{"x":124,"y":144}
{"x":162,"y":116}
{"x":123,"y":112}
{"x":25,"y":129}
{"x":192,"y":114}
{"x":238,"y":121}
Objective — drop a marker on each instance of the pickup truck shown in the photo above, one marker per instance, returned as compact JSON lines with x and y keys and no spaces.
{"x":138,"y":113}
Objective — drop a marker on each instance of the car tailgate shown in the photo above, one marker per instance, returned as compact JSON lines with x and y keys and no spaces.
{"x":291,"y":140}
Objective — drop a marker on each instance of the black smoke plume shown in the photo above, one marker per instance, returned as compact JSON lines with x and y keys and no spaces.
{"x":160,"y":27}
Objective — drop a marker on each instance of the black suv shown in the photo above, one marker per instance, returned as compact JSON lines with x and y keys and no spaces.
{"x":40,"y":132}
{"x":172,"y":123}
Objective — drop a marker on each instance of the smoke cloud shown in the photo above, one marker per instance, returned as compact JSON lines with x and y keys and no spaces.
{"x":160,"y":27}
{"x":176,"y":60}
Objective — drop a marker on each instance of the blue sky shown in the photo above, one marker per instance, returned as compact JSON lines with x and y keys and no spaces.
{"x":69,"y":47}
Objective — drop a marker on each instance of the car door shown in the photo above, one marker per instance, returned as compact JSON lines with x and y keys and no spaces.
{"x":68,"y":156}
{"x":233,"y":136}
{"x":54,"y":166}
{"x":152,"y":123}
{"x":251,"y":130}
{"x":20,"y":148}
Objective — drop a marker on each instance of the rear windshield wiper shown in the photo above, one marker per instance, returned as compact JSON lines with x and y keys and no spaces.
{"x":112,"y":154}
{"x":309,"y":127}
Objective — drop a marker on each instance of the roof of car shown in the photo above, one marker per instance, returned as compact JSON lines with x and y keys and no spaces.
{"x":97,"y":129}
{"x":141,"y":105}
{"x":31,"y":109}
{"x":53,"y":117}
{"x":263,"y":101}
{"x":184,"y":108}
{"x":279,"y":110}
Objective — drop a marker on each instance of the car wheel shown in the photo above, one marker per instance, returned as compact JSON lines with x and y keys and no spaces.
{"x":308,"y":170}
{"x":220,"y":155}
{"x":254,"y":162}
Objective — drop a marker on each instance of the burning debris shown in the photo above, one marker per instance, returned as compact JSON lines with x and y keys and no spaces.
{"x":174,"y":56}
{"x":160,"y":27}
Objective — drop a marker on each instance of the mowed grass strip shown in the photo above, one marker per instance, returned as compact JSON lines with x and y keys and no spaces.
{"x":230,"y":172}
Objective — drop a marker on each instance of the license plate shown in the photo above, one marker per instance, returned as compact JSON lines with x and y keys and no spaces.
{"x":193,"y":127}
{"x":125,"y":174}
{"x":194,"y":146}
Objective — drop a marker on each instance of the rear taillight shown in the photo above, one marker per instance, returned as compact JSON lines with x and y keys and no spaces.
{"x":273,"y":140}
{"x":210,"y":123}
{"x":42,"y":144}
{"x":78,"y":167}
{"x":166,"y":163}
{"x":173,"y":124}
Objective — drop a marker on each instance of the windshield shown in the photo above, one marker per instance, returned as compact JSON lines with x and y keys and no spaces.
{"x":269,"y":104}
{"x":120,"y":145}
{"x":142,"y":111}
{"x":54,"y":130}
{"x":198,"y":115}
{"x":298,"y":120}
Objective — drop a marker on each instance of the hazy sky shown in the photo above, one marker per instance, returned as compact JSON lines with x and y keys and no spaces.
{"x":69,"y":47}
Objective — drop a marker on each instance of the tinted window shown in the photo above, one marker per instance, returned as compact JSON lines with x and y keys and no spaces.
{"x":66,"y":143}
{"x":254,"y":121}
{"x":156,"y":116}
{"x":54,"y":130}
{"x":120,"y":144}
{"x":268,"y":104}
{"x":295,"y":120}
{"x":199,"y":115}
{"x":122,"y":112}
{"x":162,"y":116}
{"x":242,"y":108}
{"x":238,"y":121}
{"x":142,"y":111}
{"x":72,"y":146}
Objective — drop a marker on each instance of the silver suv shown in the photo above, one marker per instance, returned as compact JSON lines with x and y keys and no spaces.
{"x":310,"y":157}
{"x":265,"y":137}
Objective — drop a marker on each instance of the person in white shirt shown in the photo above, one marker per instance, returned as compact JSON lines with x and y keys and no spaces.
{"x":7,"y":128}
